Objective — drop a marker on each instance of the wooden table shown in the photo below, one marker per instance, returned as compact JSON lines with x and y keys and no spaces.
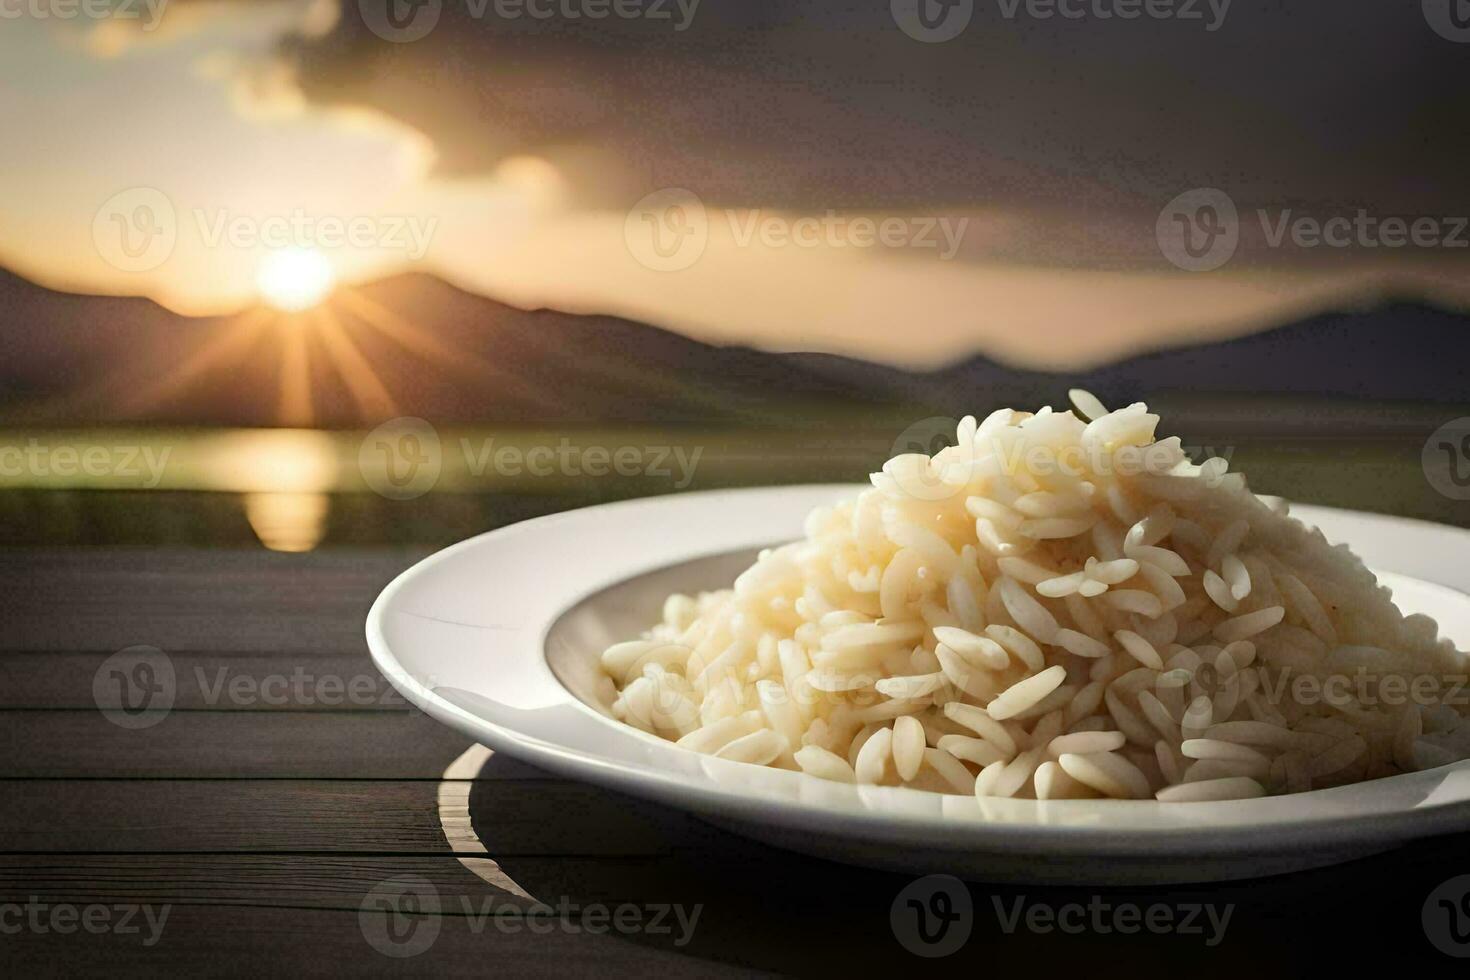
{"x":285,"y":824}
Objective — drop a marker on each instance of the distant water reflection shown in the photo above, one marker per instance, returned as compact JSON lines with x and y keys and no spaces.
{"x":297,"y":489}
{"x":285,"y":476}
{"x":288,"y":521}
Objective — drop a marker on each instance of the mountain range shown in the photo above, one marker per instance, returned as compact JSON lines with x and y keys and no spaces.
{"x":416,"y":345}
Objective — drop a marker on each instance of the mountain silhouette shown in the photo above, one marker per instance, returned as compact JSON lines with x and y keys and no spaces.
{"x":416,"y":345}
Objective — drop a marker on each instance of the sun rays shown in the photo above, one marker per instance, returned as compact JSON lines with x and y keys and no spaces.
{"x":311,"y":347}
{"x":363,"y":383}
{"x":231,"y":344}
{"x":294,"y":405}
{"x":416,"y":340}
{"x":314,"y":352}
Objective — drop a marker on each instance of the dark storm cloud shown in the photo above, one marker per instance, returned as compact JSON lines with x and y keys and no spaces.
{"x":807,"y":104}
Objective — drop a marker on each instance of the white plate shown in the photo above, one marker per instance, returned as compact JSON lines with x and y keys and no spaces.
{"x":499,"y":636}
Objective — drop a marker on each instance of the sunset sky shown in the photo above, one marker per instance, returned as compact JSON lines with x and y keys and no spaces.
{"x":522,"y":181}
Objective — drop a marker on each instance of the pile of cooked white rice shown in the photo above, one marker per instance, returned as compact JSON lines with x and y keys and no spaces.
{"x":1057,"y":607}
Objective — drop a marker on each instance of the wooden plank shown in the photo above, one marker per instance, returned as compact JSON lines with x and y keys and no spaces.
{"x":220,"y":744}
{"x":320,"y":881}
{"x":268,"y":681}
{"x":175,"y":599}
{"x":158,"y":816}
{"x":326,"y":881}
{"x":513,"y":816}
{"x":304,"y":942}
{"x":771,"y":911}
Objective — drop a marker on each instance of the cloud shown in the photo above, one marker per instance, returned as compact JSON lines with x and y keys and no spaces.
{"x":127,"y":27}
{"x":528,"y":142}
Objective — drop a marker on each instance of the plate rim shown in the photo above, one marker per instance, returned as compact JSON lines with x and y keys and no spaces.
{"x":887,"y":827}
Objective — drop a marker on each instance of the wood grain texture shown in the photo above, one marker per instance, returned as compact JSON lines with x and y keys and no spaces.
{"x":326,"y":881}
{"x":262,"y":816}
{"x":213,"y":681}
{"x":264,"y":827}
{"x":106,"y":599}
{"x":528,"y":816}
{"x":221,"y":744}
{"x":229,"y":941}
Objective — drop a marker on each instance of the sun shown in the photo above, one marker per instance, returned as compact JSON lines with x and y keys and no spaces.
{"x":295,"y":279}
